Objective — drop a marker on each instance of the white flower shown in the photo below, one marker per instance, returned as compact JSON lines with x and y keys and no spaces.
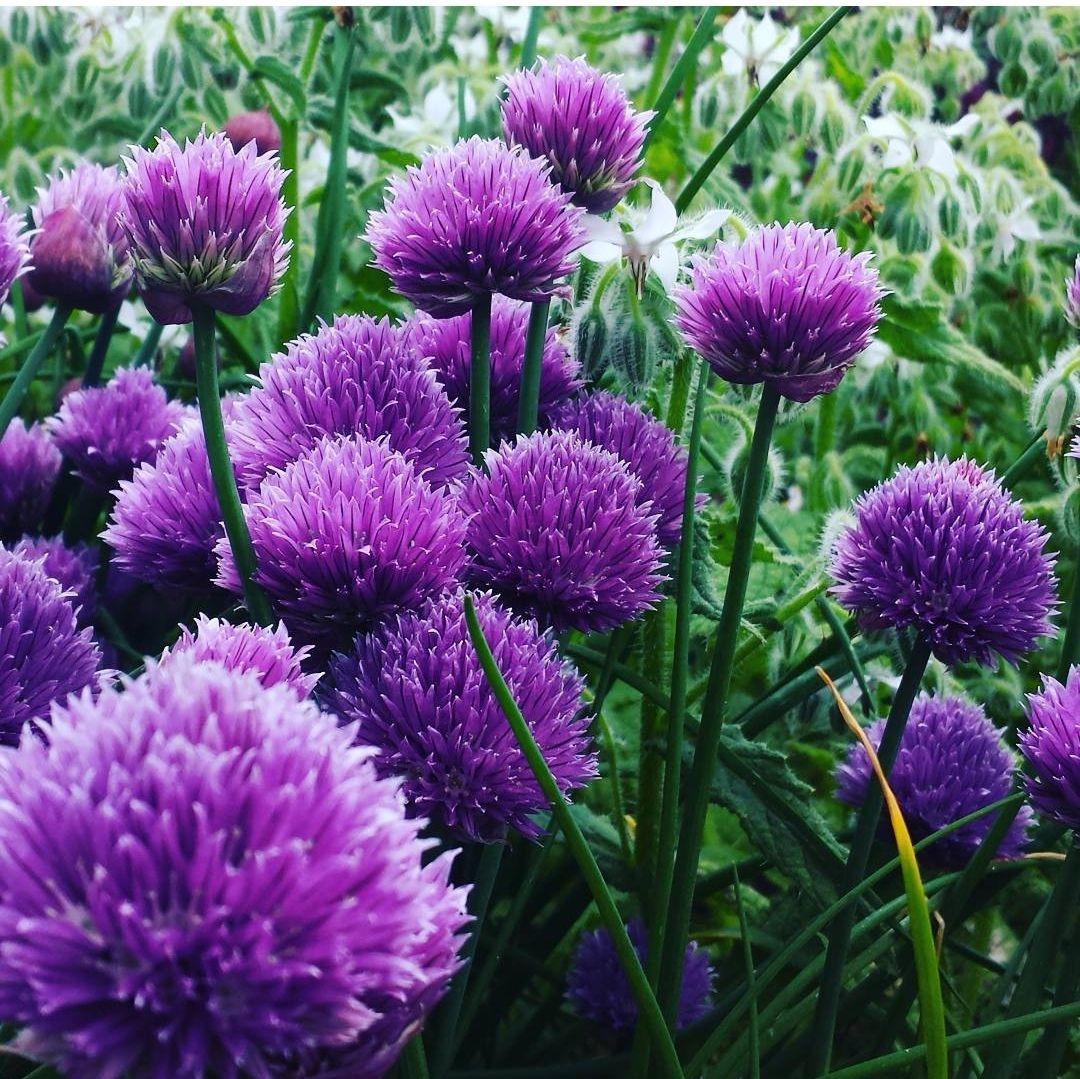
{"x":652,"y":241}
{"x":916,"y":142}
{"x":760,"y":48}
{"x":436,"y":122}
{"x":1015,"y":225}
{"x":948,"y":37}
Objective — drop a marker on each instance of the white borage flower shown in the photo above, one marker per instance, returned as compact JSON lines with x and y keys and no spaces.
{"x":435,"y":123}
{"x":652,"y":240}
{"x":1012,"y":225}
{"x":948,"y":37}
{"x":918,"y":142}
{"x":759,"y":47}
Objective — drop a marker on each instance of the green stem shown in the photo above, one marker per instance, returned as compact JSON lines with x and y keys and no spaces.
{"x":145,"y":356}
{"x":697,"y":181}
{"x":754,"y":1044}
{"x":1070,"y":643}
{"x":698,"y":40}
{"x":18,"y":309}
{"x":289,"y":304}
{"x":159,"y":117}
{"x":579,"y":848}
{"x":480,"y":381}
{"x":221,"y":470}
{"x":29,"y":369}
{"x":96,"y":363}
{"x":680,"y":392}
{"x":532,"y":367}
{"x":414,"y":1063}
{"x":650,"y":759}
{"x":627,"y":675}
{"x":665,"y":42}
{"x":832,"y":982}
{"x":714,"y":707}
{"x":618,"y":810}
{"x":532,"y":35}
{"x":1031,"y":453}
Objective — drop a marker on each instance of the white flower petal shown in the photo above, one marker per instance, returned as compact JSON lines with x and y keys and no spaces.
{"x":661,"y":220}
{"x":888,"y":127}
{"x":601,"y":252}
{"x":665,"y":264}
{"x":599,"y":228}
{"x":708,"y":224}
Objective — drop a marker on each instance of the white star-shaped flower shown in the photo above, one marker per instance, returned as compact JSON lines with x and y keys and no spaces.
{"x":1017,"y":224}
{"x":916,"y":142}
{"x":759,"y":47}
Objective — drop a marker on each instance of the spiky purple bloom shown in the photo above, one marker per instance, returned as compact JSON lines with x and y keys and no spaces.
{"x":44,"y":656}
{"x":446,"y":344}
{"x":205,"y":224}
{"x":471,"y":220}
{"x":347,"y":536}
{"x":417,"y":692}
{"x":29,"y":465}
{"x":943,"y":549}
{"x":73,"y":568}
{"x":646,"y":445}
{"x":356,"y":377}
{"x":580,"y":121}
{"x":787,"y":307}
{"x":107,"y":431}
{"x":557,"y":531}
{"x":257,"y":126}
{"x":1051,"y":744}
{"x":598,"y":990}
{"x":81,"y":255}
{"x":951,"y":762}
{"x":265,"y":652}
{"x":14,"y":248}
{"x":1072,"y":296}
{"x":202,"y":875}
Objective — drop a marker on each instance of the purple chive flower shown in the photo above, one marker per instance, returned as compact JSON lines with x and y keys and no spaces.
{"x":267,"y":653}
{"x":951,"y":762}
{"x":942,"y":548}
{"x":1051,"y":744}
{"x":1072,"y":296}
{"x":257,"y":126}
{"x":355,"y":377}
{"x":29,"y":465}
{"x":446,"y":342}
{"x":81,"y":255}
{"x":787,"y":307}
{"x":555,"y":529}
{"x":73,"y":568}
{"x":644,"y":443}
{"x":580,"y":121}
{"x":597,"y":988}
{"x":203,"y":876}
{"x":44,"y":656}
{"x":14,"y":248}
{"x":417,"y":692}
{"x":347,"y":536}
{"x":167,"y":521}
{"x":108,"y":431}
{"x":473,"y":220}
{"x":205,"y":224}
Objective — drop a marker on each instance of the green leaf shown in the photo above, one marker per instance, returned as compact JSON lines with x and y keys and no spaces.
{"x":282,"y":76}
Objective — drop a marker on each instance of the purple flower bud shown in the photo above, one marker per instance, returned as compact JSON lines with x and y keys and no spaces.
{"x":205,"y":224}
{"x":29,"y":465}
{"x":787,"y":307}
{"x":257,"y":126}
{"x":473,"y":220}
{"x":1051,"y":744}
{"x":81,"y":256}
{"x":14,"y":248}
{"x":580,"y":121}
{"x":73,"y":568}
{"x":557,"y":532}
{"x":1072,"y":296}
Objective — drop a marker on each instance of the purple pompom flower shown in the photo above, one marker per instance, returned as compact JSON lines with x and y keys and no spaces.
{"x":472,"y":220}
{"x":1072,"y":296}
{"x":257,"y":126}
{"x":787,"y":307}
{"x":203,"y":876}
{"x":346,"y":536}
{"x":108,"y":431}
{"x":81,"y":255}
{"x":644,"y":443}
{"x":44,"y":656}
{"x":29,"y":465}
{"x":1051,"y":744}
{"x":205,"y":224}
{"x":943,"y":549}
{"x":556,"y":530}
{"x":445,"y":344}
{"x":417,"y":692}
{"x":73,"y":568}
{"x":356,"y":377}
{"x":267,"y":653}
{"x":598,"y":990}
{"x":951,"y":762}
{"x":580,"y":121}
{"x":14,"y":248}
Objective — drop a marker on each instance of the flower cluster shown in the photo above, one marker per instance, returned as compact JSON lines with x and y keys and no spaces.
{"x":1051,"y":744}
{"x":29,"y":465}
{"x":73,"y":568}
{"x":14,"y":248}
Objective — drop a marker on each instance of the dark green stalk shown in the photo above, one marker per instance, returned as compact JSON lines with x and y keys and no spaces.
{"x":627,"y":675}
{"x":665,"y":42}
{"x":1070,"y":642}
{"x":754,"y":1046}
{"x":18,"y":309}
{"x":532,"y":35}
{"x":9,"y":407}
{"x":232,"y":513}
{"x":650,"y":759}
{"x":529,"y":395}
{"x":680,"y":391}
{"x":618,"y":644}
{"x":414,"y":1063}
{"x":579,"y":848}
{"x":1031,"y":453}
{"x":714,"y":707}
{"x":145,"y":356}
{"x":618,"y":810}
{"x":289,"y":304}
{"x":832,"y":982}
{"x":160,"y":116}
{"x":96,"y":363}
{"x":83,"y":515}
{"x":697,"y":181}
{"x":480,"y":380}
{"x":698,"y":40}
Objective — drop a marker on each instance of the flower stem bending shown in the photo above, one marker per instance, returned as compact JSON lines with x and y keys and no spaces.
{"x":18,"y":389}
{"x":480,"y":381}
